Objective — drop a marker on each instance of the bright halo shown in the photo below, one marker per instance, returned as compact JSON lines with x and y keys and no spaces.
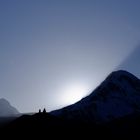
{"x":74,"y":93}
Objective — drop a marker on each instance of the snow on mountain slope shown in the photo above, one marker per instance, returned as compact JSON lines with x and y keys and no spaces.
{"x":117,"y":96}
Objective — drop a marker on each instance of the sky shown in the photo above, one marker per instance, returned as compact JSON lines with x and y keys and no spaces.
{"x":55,"y":52}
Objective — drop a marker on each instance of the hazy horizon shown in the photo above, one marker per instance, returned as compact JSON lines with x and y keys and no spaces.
{"x":55,"y":52}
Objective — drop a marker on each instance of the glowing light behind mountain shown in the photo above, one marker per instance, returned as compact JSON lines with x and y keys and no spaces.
{"x":47,"y":46}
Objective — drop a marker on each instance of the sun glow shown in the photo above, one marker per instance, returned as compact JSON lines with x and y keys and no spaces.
{"x":74,"y":93}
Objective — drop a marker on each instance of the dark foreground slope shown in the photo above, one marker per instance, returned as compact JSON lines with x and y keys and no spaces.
{"x":111,"y":111}
{"x":40,"y":125}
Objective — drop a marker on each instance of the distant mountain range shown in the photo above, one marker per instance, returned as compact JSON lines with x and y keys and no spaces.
{"x":112,"y":110}
{"x":6,"y":109}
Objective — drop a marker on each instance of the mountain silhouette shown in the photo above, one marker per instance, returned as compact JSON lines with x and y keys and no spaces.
{"x":117,"y":96}
{"x":6,"y":109}
{"x":112,"y":110}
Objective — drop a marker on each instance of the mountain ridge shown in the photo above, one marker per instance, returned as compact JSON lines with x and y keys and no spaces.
{"x":6,"y":109}
{"x":118,"y":95}
{"x":112,"y":110}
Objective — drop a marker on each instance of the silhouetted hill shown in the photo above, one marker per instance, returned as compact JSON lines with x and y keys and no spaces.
{"x":38,"y":120}
{"x":112,"y":110}
{"x":117,"y":96}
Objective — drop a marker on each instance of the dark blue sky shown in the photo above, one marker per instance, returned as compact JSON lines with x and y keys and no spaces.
{"x":54,"y":52}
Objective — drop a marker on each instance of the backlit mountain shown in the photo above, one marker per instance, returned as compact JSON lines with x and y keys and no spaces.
{"x":116,"y":97}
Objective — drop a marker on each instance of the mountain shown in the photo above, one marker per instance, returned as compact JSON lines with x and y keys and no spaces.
{"x":112,"y":110}
{"x":116,"y":97}
{"x":6,"y":109}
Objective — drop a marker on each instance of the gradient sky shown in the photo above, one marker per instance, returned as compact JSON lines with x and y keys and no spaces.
{"x":54,"y":52}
